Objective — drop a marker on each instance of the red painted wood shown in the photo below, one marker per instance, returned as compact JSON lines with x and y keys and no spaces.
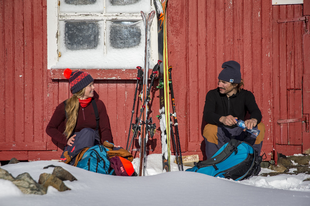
{"x":101,"y":74}
{"x":2,"y":71}
{"x":211,"y":70}
{"x":178,"y":58}
{"x":44,"y":155}
{"x":306,"y":52}
{"x":238,"y":17}
{"x":193,"y":74}
{"x":45,"y":78}
{"x":8,"y":155}
{"x":306,"y":76}
{"x":289,"y":50}
{"x":288,"y":150}
{"x":201,"y":36}
{"x":298,"y":33}
{"x":220,"y":13}
{"x":202,"y":59}
{"x":295,"y":111}
{"x":247,"y":35}
{"x":257,"y":54}
{"x":275,"y":76}
{"x":19,"y":73}
{"x":283,"y":73}
{"x":267,"y":74}
{"x":38,"y":71}
{"x":306,"y":8}
{"x":28,"y":71}
{"x":228,"y":29}
{"x":8,"y":71}
{"x":23,"y":146}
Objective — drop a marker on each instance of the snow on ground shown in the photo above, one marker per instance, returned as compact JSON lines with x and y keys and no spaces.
{"x":157,"y":188}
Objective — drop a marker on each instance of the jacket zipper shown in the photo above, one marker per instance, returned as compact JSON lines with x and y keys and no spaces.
{"x":83,"y":113}
{"x":228,"y":105}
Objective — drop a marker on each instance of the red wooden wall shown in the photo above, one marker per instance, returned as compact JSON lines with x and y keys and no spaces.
{"x":201,"y":36}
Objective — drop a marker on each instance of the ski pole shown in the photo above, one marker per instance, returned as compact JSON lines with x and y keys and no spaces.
{"x":174,"y":144}
{"x":139,"y":77}
{"x":175,"y":120}
{"x":138,"y":121}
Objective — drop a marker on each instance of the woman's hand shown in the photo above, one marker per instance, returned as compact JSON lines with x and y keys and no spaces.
{"x":250,"y":123}
{"x":71,"y":140}
{"x":228,"y":120}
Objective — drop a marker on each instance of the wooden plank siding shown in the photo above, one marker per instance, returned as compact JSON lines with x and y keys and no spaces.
{"x":288,"y":74}
{"x":201,"y":36}
{"x":218,"y":31}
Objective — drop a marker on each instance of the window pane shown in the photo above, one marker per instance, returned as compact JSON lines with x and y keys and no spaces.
{"x":80,"y":2}
{"x":81,"y":35}
{"x":128,"y":6}
{"x":123,"y":2}
{"x":81,"y":6}
{"x":125,"y":34}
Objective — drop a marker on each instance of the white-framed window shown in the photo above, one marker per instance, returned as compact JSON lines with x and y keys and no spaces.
{"x":98,"y":34}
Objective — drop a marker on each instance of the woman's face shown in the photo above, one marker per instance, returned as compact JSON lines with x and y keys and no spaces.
{"x":89,"y":91}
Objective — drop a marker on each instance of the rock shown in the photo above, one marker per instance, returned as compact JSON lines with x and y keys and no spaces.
{"x":13,"y":161}
{"x":28,"y":186}
{"x":265,"y":164}
{"x":308,"y":179}
{"x":307,"y":151}
{"x":51,"y":180}
{"x":278,"y":168}
{"x":5,"y":175}
{"x":302,"y":169}
{"x":300,"y":160}
{"x":63,"y":174}
{"x":271,"y":174}
{"x":284,"y":161}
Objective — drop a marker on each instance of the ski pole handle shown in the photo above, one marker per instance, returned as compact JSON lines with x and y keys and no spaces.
{"x":140,"y":73}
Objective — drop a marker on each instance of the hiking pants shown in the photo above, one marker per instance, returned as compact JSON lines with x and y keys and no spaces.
{"x":85,"y":138}
{"x":216,"y":136}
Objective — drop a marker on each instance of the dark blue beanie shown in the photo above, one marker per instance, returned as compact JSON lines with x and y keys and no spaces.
{"x":231,"y":72}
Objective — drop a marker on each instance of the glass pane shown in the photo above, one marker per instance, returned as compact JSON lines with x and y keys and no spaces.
{"x":81,"y":35}
{"x":125,"y":34}
{"x":80,"y":2}
{"x":81,"y":6}
{"x":123,"y":2}
{"x":128,"y":6}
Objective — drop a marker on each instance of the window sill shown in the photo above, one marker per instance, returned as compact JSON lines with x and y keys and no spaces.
{"x":100,"y":74}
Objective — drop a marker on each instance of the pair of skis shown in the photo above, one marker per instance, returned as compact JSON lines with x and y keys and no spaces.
{"x":143,"y":122}
{"x":165,"y":86}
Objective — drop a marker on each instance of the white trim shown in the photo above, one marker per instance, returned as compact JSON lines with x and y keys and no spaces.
{"x":54,"y":16}
{"x":52,"y":40}
{"x":283,"y":2}
{"x":98,"y":16}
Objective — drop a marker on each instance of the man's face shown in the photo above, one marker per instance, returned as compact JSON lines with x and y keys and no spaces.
{"x":226,"y":87}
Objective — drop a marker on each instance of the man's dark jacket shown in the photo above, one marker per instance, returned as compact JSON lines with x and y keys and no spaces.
{"x":238,"y":105}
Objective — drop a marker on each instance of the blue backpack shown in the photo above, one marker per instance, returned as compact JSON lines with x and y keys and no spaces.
{"x":235,"y":160}
{"x":96,"y":159}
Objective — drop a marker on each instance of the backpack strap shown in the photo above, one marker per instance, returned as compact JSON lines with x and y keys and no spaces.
{"x":228,"y":150}
{"x":95,"y":110}
{"x":96,"y":113}
{"x":65,"y":102}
